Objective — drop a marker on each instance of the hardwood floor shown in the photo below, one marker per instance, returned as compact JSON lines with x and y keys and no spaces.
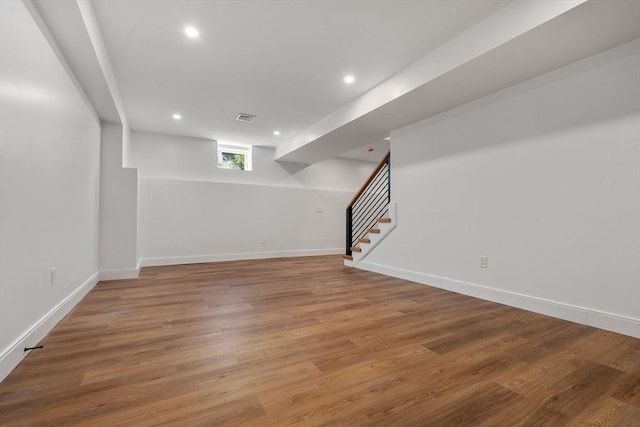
{"x":306,"y":341}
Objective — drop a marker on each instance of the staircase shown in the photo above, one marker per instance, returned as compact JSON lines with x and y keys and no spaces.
{"x":374,"y":235}
{"x":371,"y":215}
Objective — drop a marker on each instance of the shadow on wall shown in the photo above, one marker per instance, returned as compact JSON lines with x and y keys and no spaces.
{"x":547,"y":94}
{"x":292,"y":168}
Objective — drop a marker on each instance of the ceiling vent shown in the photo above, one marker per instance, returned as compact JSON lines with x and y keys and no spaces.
{"x":242,"y":117}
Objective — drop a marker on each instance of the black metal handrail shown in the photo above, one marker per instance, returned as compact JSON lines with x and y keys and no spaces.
{"x":369,"y":204}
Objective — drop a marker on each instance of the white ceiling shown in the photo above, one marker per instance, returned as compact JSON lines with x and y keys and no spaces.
{"x":372,"y":152}
{"x":281,"y":60}
{"x":550,"y":40}
{"x":284,"y":61}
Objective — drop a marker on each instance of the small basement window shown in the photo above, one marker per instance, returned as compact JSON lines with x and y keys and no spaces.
{"x":234,"y":157}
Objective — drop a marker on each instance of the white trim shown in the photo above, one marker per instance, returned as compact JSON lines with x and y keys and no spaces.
{"x":587,"y":316}
{"x":196,"y":259}
{"x":10,"y":358}
{"x":120,"y":274}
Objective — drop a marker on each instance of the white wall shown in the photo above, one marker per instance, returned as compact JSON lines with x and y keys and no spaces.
{"x":49,"y":187}
{"x":196,"y":221}
{"x":191,"y":211}
{"x":544,"y":179}
{"x":174,"y":157}
{"x":118,"y":208}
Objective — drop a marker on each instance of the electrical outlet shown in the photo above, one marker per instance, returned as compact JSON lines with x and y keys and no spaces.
{"x":53,"y":276}
{"x":483,"y":262}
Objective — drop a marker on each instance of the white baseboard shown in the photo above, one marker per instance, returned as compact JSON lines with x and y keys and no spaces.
{"x":149,"y":262}
{"x":587,"y":316}
{"x":10,"y":358}
{"x":124,"y":273}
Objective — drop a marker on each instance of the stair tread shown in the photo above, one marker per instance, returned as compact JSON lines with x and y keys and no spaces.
{"x":384,"y":219}
{"x":373,"y":230}
{"x":347,"y":257}
{"x":364,"y":240}
{"x":356,"y":249}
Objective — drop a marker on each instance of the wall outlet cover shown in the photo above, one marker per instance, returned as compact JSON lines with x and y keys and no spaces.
{"x":483,"y":262}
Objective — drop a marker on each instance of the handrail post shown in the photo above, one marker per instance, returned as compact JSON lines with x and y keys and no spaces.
{"x":349,"y":229}
{"x":389,"y":177}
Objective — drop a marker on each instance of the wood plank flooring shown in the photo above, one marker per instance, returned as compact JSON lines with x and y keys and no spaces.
{"x":305,"y":341}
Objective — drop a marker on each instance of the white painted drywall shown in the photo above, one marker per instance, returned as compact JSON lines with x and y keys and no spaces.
{"x":507,"y":23}
{"x":543,"y":178}
{"x":174,"y":157}
{"x":97,"y":42}
{"x":195,"y":221}
{"x":118,"y":207}
{"x":49,"y":184}
{"x":192,"y":211}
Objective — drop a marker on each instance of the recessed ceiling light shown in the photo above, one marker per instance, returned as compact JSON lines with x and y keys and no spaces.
{"x":177,"y":116}
{"x":276,"y":132}
{"x":349,"y":79}
{"x":191,"y":32}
